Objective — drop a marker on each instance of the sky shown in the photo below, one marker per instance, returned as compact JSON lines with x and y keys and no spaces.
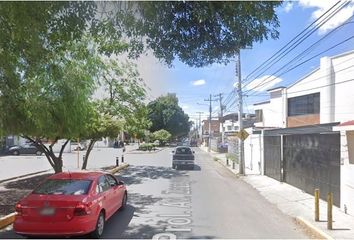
{"x":193,"y":85}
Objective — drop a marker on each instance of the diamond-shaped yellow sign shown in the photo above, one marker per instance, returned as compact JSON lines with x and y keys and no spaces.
{"x":243,"y":135}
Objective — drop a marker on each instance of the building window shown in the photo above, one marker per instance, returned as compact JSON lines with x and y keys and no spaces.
{"x":303,"y":105}
{"x":229,"y":128}
{"x":259,"y":115}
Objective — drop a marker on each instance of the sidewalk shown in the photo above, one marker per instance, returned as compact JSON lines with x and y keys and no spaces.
{"x":15,"y":166}
{"x":298,"y":204}
{"x":221,"y":159}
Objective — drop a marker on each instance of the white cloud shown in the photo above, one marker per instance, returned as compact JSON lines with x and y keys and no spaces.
{"x":198,"y":82}
{"x":185,"y":107}
{"x":263,"y":83}
{"x":321,"y":6}
{"x":288,"y":6}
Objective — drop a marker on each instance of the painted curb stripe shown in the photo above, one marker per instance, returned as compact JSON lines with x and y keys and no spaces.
{"x":312,"y":229}
{"x":114,"y":170}
{"x":7,"y":220}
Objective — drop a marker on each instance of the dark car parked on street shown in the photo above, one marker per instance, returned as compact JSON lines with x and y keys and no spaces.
{"x":25,"y":149}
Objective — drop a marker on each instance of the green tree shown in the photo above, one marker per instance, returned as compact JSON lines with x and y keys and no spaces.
{"x":162,"y":135}
{"x":100,"y":126}
{"x":138,"y":122}
{"x":54,"y":103}
{"x":49,"y":66}
{"x":33,"y":32}
{"x":57,"y":103}
{"x":164,"y":113}
{"x":200,"y":32}
{"x":50,"y":63}
{"x":121,"y":108}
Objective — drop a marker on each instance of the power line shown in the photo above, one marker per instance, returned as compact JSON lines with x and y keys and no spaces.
{"x":287,"y":48}
{"x":272,"y":76}
{"x":315,"y":29}
{"x":313,"y":80}
{"x":293,"y":39}
{"x":232,"y":98}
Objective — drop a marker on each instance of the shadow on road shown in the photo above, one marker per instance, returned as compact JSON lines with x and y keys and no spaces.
{"x":141,"y":231}
{"x":141,"y":202}
{"x":137,"y":174}
{"x":118,"y":223}
{"x":9,"y":234}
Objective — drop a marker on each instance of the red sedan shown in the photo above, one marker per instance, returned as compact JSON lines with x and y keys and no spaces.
{"x":68,"y":204}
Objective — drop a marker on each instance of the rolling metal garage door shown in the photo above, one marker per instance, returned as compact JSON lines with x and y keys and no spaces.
{"x":272,"y":167}
{"x":313,"y":161}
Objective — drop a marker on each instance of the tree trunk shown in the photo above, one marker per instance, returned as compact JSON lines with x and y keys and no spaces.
{"x":58,"y":164}
{"x":55,"y":161}
{"x":89,"y":149}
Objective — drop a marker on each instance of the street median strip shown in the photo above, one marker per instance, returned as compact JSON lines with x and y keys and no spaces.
{"x":9,"y":219}
{"x":317,"y":233}
{"x":144,"y":152}
{"x":22,"y":176}
{"x":117,"y":169}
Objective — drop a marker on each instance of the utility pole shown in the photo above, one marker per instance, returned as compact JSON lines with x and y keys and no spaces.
{"x":196,"y":129}
{"x":221,"y":116}
{"x":209,"y":132}
{"x":240,"y":114}
{"x":200,"y":125}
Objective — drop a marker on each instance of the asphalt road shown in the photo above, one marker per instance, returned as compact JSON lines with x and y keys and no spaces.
{"x":207,"y":202}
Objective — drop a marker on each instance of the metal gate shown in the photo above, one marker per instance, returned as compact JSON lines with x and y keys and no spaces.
{"x":272,"y":151}
{"x":313,"y":161}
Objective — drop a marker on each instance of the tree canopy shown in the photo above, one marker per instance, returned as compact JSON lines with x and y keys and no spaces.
{"x":201,"y":32}
{"x":162,"y":136}
{"x":164,"y":113}
{"x":197,"y":33}
{"x":53,"y":57}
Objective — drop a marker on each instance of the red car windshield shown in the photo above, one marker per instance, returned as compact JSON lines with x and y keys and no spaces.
{"x":63,"y":187}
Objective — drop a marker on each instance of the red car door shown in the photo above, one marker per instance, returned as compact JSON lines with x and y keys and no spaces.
{"x":117,"y":192}
{"x":104,"y":191}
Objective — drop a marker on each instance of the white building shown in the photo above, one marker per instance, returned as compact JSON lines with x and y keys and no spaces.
{"x":325,"y":95}
{"x":231,"y":123}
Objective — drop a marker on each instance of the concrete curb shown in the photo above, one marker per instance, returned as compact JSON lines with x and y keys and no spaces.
{"x":9,"y":219}
{"x":117,"y":169}
{"x":26,"y":175}
{"x":230,"y":169}
{"x":317,"y":233}
{"x":144,"y":152}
